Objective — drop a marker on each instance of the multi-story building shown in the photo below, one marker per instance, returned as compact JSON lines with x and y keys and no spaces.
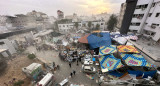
{"x":102,"y":25}
{"x":140,"y":15}
{"x":144,"y":19}
{"x":151,"y":25}
{"x":3,"y":24}
{"x":21,"y":21}
{"x":60,"y":14}
{"x":121,"y":14}
{"x":40,"y":16}
{"x":43,"y":21}
{"x":65,"y":28}
{"x":130,"y":7}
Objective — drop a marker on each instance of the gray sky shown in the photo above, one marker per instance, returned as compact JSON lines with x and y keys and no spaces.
{"x":50,"y":7}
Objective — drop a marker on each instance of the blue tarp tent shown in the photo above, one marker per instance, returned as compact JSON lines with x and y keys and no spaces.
{"x":141,"y":73}
{"x":115,"y":73}
{"x":96,"y":40}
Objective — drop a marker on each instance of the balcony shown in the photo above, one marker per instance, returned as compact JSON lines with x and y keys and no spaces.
{"x":149,"y":28}
{"x":140,"y":11}
{"x":134,"y":28}
{"x":137,"y":19}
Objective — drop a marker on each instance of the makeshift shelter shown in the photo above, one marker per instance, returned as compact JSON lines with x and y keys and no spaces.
{"x":96,"y":40}
{"x":142,"y":74}
{"x":104,"y":50}
{"x":130,"y":36}
{"x":127,"y":49}
{"x":110,"y":63}
{"x":120,"y":40}
{"x":83,"y":39}
{"x":135,"y":60}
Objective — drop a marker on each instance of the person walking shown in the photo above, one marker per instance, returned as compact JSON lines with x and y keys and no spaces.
{"x":71,"y":74}
{"x":74,"y":72}
{"x":70,"y":64}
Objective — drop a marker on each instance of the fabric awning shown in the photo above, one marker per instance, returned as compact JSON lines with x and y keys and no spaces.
{"x":135,"y":60}
{"x":104,"y":50}
{"x":110,"y":62}
{"x":97,"y":40}
{"x":127,"y":49}
{"x":83,"y":39}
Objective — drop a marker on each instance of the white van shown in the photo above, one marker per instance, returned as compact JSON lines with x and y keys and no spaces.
{"x":47,"y":80}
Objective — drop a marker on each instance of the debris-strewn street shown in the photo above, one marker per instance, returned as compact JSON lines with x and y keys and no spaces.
{"x":14,"y":70}
{"x":65,"y":70}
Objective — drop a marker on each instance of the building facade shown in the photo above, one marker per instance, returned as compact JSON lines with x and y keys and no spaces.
{"x":60,"y":14}
{"x":3,"y":27}
{"x":130,"y":7}
{"x":151,"y":26}
{"x":140,"y":15}
{"x":65,"y":28}
{"x":121,"y":14}
{"x":145,"y":19}
{"x":102,"y":25}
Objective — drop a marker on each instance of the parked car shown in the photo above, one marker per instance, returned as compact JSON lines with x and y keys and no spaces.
{"x":87,"y":58}
{"x":88,"y":69}
{"x":88,"y":62}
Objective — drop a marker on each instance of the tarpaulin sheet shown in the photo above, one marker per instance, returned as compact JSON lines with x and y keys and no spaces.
{"x":110,"y":62}
{"x":115,"y":73}
{"x":143,"y":74}
{"x":107,"y":49}
{"x":117,"y":35}
{"x":135,"y":60}
{"x":95,"y":41}
{"x":84,"y":39}
{"x":120,"y":40}
{"x":127,"y":49}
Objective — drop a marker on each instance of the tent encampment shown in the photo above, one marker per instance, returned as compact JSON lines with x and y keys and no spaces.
{"x":110,"y":62}
{"x":96,"y":40}
{"x":104,"y":50}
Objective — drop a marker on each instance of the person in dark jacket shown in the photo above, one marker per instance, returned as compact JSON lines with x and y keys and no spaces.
{"x":74,"y":72}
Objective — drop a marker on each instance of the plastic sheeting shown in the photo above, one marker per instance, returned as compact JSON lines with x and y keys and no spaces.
{"x":107,"y":50}
{"x":110,"y":62}
{"x":96,"y":40}
{"x":135,"y":60}
{"x":143,"y":74}
{"x":127,"y":49}
{"x":120,"y":40}
{"x":116,"y":35}
{"x":84,"y":39}
{"x":115,"y":73}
